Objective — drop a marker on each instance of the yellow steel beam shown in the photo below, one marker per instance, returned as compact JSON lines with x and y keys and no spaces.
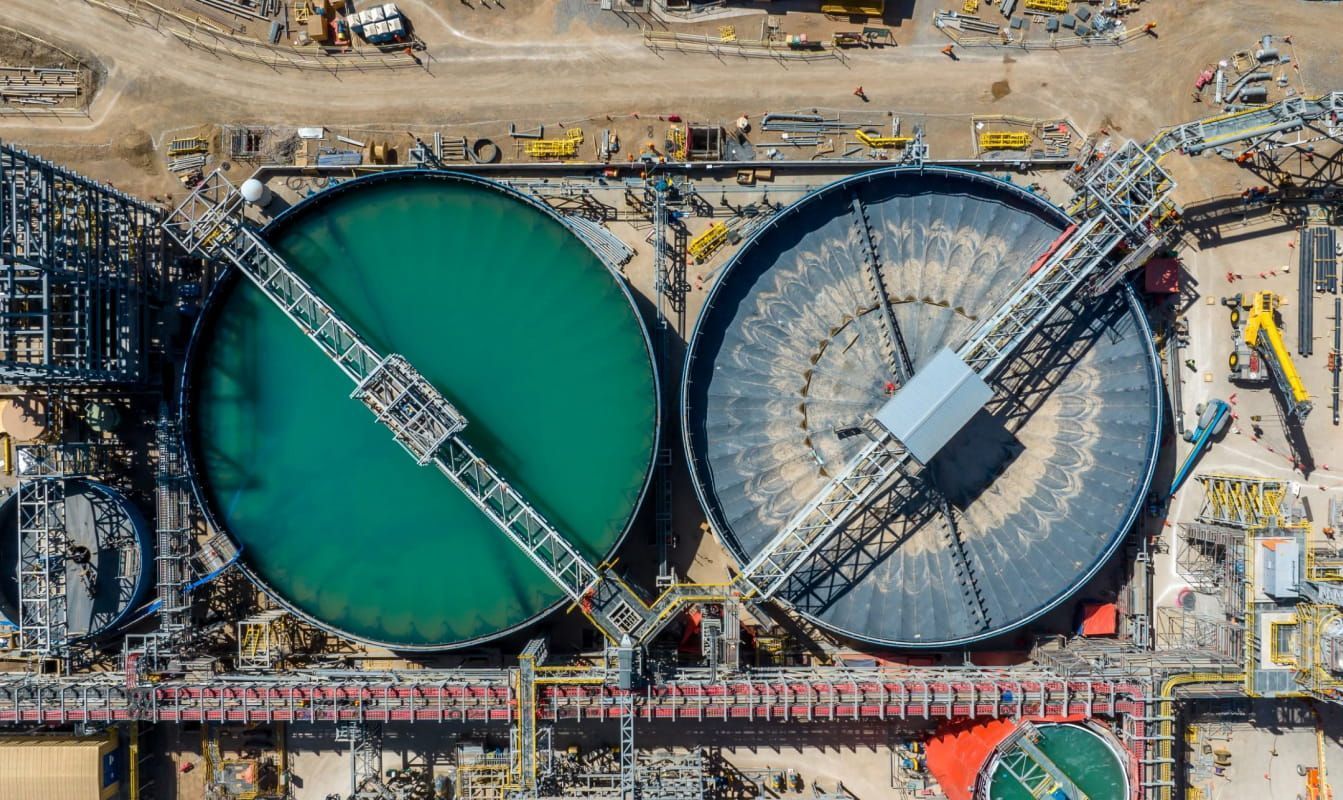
{"x":703,"y":246}
{"x":1004,"y":140}
{"x":1263,"y":320}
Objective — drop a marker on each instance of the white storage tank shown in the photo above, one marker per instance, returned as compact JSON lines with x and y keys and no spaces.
{"x":255,"y":192}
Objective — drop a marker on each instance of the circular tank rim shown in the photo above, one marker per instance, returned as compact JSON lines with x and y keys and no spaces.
{"x":697,"y":479}
{"x":143,"y":540}
{"x":211,"y":306}
{"x":985,"y":777}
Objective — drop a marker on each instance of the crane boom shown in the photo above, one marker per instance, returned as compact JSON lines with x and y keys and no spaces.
{"x":1263,"y":334}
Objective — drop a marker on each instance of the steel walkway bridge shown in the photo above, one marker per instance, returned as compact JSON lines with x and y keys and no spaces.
{"x":1122,"y":199}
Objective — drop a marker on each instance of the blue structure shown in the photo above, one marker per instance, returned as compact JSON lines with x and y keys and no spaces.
{"x":1212,"y":421}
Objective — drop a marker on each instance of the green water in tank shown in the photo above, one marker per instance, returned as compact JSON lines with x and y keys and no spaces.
{"x":515,"y":321}
{"x":1080,"y":754}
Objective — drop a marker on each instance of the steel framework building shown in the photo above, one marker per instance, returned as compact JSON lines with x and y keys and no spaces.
{"x":77,"y":261}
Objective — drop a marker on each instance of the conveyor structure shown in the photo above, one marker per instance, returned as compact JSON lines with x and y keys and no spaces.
{"x":1121,"y":200}
{"x":173,"y":523}
{"x":148,"y":693}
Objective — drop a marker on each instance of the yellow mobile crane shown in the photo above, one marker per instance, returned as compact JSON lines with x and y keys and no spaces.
{"x":1263,"y":334}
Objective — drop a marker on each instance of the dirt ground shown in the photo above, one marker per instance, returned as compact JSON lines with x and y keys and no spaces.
{"x":1269,"y":743}
{"x":533,"y":62}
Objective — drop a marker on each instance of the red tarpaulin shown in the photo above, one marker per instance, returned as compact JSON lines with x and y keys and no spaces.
{"x":1100,"y":619}
{"x":1162,"y":276}
{"x":957,"y":752}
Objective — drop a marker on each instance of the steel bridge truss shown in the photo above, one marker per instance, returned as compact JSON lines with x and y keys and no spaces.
{"x":424,"y":422}
{"x":76,"y":261}
{"x":1117,"y":201}
{"x":1261,"y":126}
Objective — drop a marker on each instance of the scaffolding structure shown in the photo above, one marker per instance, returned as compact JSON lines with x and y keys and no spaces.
{"x":42,"y":543}
{"x":365,"y":740}
{"x":1211,"y":558}
{"x":258,"y":643}
{"x":1188,"y":630}
{"x":42,"y":547}
{"x":77,"y":264}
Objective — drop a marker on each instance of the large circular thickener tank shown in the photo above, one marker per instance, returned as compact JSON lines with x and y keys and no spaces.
{"x":788,"y":361}
{"x":521,"y":326}
{"x":106,"y":559}
{"x":1090,"y":759}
